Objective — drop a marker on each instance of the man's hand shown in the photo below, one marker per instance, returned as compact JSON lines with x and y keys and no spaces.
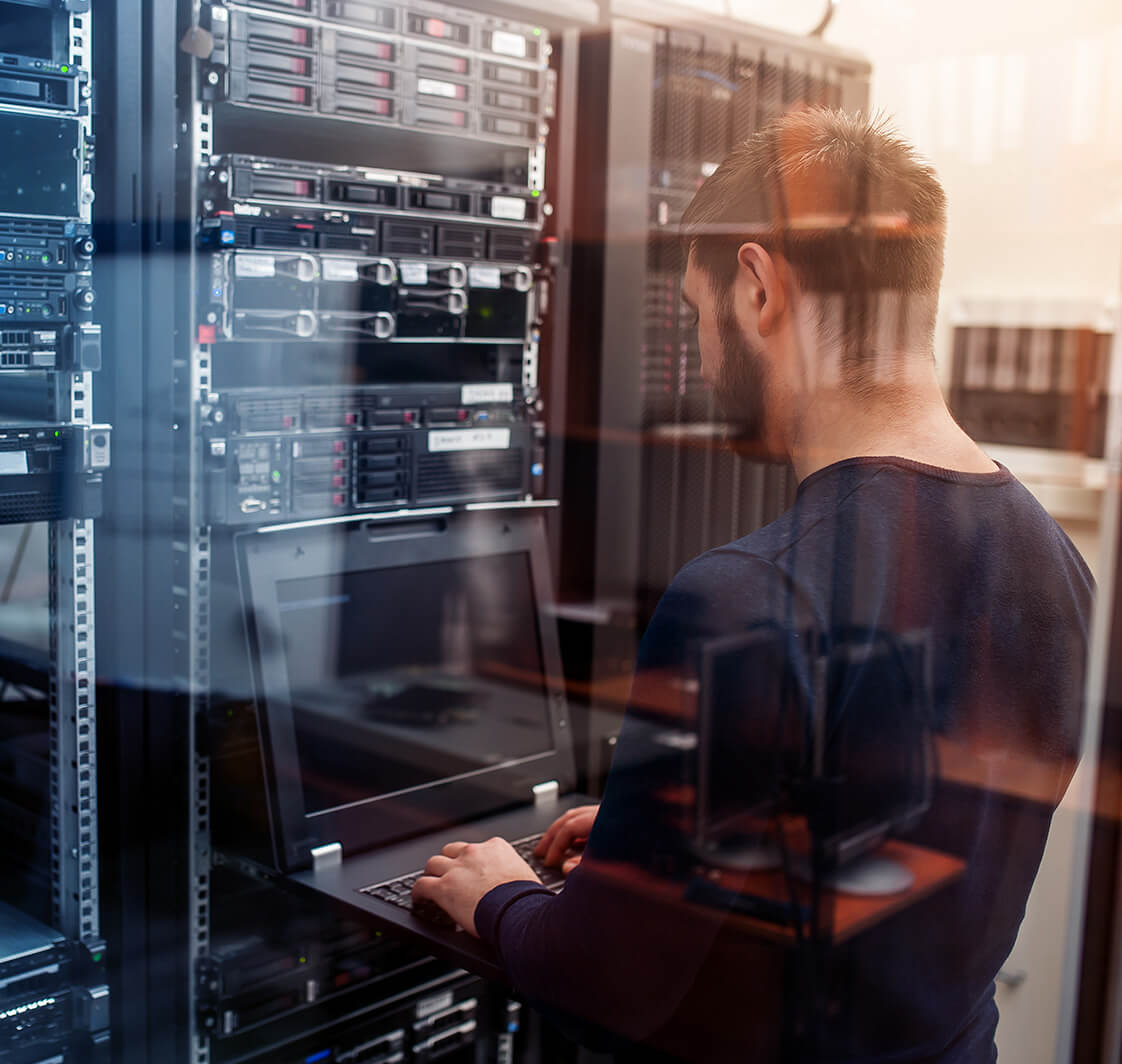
{"x":458,"y":877}
{"x":567,"y":831}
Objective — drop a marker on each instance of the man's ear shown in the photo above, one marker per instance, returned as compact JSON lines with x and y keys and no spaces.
{"x":768,"y":289}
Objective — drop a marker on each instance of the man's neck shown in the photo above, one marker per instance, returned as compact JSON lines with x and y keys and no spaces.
{"x":911,"y":423}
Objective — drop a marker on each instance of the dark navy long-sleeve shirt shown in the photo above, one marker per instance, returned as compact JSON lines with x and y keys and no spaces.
{"x":870,"y":545}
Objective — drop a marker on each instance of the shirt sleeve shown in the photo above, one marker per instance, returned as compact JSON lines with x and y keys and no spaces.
{"x":618,"y":957}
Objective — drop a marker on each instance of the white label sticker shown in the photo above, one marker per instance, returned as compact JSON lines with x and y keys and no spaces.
{"x":413,"y":272}
{"x":432,"y":87}
{"x":508,"y":44}
{"x":339,"y":269}
{"x":436,"y":1003}
{"x":485,"y":277}
{"x":487,"y":393}
{"x":508,"y":208}
{"x":469,"y":440}
{"x":13,"y":462}
{"x":255,"y":266}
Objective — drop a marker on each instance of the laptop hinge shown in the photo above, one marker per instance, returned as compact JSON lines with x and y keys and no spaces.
{"x":546,"y":792}
{"x":327,"y":856}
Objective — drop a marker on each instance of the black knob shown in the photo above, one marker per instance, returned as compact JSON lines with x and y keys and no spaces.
{"x":84,"y":247}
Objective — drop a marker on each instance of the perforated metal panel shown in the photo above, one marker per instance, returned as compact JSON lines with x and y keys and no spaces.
{"x":714,"y":113}
{"x":745,"y":102}
{"x":710,"y":91}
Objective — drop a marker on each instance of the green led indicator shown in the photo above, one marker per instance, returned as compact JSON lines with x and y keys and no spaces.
{"x":276,"y":476}
{"x":536,"y":192}
{"x":303,"y":960}
{"x":97,"y":958}
{"x":57,"y":433}
{"x":64,"y":68}
{"x":537,"y":32}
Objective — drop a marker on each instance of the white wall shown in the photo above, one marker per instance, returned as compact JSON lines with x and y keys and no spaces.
{"x":1019,"y":107}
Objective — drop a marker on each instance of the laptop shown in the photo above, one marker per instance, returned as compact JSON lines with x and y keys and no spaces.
{"x":409,"y":690}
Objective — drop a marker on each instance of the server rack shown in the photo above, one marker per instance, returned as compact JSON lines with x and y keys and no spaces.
{"x":227,"y":62}
{"x":666,"y":486}
{"x":54,"y":1000}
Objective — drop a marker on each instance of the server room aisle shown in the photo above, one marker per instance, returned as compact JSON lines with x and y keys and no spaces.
{"x":353,"y":428}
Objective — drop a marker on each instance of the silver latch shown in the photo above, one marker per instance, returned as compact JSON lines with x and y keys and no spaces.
{"x":546,"y":792}
{"x":327,"y":856}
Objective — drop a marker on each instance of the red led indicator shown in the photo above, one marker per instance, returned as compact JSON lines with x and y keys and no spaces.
{"x":407,"y":417}
{"x":288,"y":421}
{"x":299,"y":36}
{"x":206,"y":334}
{"x":461,"y":415}
{"x":340,"y":446}
{"x":382,"y":107}
{"x":383,"y":79}
{"x":435,"y":27}
{"x":338,"y":499}
{"x":299,"y":66}
{"x":338,"y":464}
{"x":338,"y":482}
{"x":383,"y":51}
{"x":299,"y":96}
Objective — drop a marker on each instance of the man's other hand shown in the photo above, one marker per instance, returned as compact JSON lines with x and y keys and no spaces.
{"x":458,"y":877}
{"x":568,"y":830}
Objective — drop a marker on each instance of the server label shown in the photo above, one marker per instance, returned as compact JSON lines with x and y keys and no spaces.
{"x":469,"y":440}
{"x":255,"y":266}
{"x":432,"y":87}
{"x":339,"y":270}
{"x":485,"y":277}
{"x":508,"y":44}
{"x":487,"y":393}
{"x":508,"y":208}
{"x":413,"y":272}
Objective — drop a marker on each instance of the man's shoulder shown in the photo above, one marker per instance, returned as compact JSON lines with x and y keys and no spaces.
{"x":739,"y":560}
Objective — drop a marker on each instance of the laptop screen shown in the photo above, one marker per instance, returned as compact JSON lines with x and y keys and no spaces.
{"x":409,"y":675}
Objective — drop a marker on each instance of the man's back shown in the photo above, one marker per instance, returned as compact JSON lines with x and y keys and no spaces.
{"x":877,"y":545}
{"x":972,"y":562}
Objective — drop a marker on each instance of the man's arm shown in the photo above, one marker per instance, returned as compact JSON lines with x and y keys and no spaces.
{"x":616,"y":947}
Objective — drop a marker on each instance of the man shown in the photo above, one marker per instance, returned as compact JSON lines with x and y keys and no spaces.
{"x":815,"y":253}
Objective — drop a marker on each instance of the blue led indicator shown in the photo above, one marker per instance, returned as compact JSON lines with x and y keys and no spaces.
{"x":323,"y":1054}
{"x":512,"y":1027}
{"x":537,"y":469}
{"x":227,"y":236}
{"x":482,"y":415}
{"x":217,"y":293}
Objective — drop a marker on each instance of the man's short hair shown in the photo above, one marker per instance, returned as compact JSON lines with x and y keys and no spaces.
{"x":846,"y":202}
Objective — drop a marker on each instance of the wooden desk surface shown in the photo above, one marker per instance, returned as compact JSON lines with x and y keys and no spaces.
{"x":848,"y":915}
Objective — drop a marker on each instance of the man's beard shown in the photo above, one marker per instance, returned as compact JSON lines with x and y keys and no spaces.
{"x":741,"y":381}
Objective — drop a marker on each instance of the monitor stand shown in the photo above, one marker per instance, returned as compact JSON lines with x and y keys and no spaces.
{"x":748,"y":856}
{"x":871,"y":876}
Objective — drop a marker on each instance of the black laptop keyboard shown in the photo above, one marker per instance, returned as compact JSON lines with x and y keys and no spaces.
{"x":400,"y":891}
